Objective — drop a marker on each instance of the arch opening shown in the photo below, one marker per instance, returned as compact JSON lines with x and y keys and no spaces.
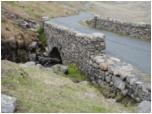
{"x":55,"y":57}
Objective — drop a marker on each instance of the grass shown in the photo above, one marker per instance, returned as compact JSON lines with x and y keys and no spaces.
{"x":42,"y":36}
{"x":38,"y":90}
{"x":75,"y":73}
{"x":35,"y":9}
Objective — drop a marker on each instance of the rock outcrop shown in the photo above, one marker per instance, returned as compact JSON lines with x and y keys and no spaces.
{"x":8,"y":104}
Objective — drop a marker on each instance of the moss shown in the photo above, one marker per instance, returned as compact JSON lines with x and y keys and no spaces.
{"x":119,"y":98}
{"x":129,"y":100}
{"x":75,"y":74}
{"x":22,"y":55}
{"x":42,"y":36}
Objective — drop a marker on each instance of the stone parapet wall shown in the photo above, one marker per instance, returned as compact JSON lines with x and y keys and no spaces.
{"x":136,"y":30}
{"x":88,"y":52}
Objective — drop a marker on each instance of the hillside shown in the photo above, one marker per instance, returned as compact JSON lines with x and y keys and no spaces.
{"x":132,"y":11}
{"x":39,"y":90}
{"x":21,"y":20}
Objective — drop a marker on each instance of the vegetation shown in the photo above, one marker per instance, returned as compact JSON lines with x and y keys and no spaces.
{"x":75,"y":74}
{"x":39,"y":90}
{"x":42,"y":36}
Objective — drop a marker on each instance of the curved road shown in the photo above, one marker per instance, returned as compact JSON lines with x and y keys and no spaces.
{"x":133,"y":51}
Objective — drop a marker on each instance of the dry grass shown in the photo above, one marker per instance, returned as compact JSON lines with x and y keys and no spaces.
{"x":36,"y":10}
{"x":31,"y":10}
{"x":11,"y":33}
{"x":132,"y":11}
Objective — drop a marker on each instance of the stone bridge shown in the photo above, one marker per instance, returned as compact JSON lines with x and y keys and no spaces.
{"x":88,"y":52}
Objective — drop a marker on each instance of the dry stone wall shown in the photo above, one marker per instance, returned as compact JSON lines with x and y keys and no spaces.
{"x":88,"y":52}
{"x":136,"y":30}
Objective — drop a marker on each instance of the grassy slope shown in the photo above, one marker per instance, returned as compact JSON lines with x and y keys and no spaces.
{"x":32,"y":10}
{"x":43,"y":91}
{"x":35,"y":10}
{"x":132,"y":11}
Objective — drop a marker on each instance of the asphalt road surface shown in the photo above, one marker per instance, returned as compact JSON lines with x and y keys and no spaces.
{"x":133,"y":51}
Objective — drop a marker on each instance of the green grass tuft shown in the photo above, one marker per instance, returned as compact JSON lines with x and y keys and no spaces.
{"x":75,"y":73}
{"x":98,"y":109}
{"x":42,"y":36}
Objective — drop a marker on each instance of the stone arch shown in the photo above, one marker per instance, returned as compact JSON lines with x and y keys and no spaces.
{"x":55,"y":54}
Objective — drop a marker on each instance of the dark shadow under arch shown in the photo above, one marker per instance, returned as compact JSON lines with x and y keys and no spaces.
{"x":55,"y":54}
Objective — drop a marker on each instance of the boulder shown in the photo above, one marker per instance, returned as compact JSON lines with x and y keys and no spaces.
{"x":108,"y":79}
{"x":123,"y":74}
{"x":100,"y":61}
{"x":118,"y":83}
{"x":8,"y":103}
{"x":64,"y":69}
{"x":110,"y":62}
{"x":24,"y":24}
{"x":32,"y":56}
{"x":56,"y":68}
{"x":31,"y":63}
{"x":111,"y":68}
{"x":131,"y":79}
{"x":32,"y":29}
{"x":12,"y":15}
{"x":32,"y":21}
{"x":104,"y":66}
{"x":144,"y":107}
{"x":43,"y":60}
{"x":101,"y":83}
{"x":97,"y":57}
{"x":32,"y":47}
{"x":84,"y":82}
{"x":116,"y":71}
{"x":49,"y":69}
{"x":40,"y":66}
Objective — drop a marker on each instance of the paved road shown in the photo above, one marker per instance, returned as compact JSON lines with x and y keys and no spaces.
{"x":133,"y":51}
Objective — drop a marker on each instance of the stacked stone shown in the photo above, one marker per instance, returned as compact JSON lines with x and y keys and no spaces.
{"x":111,"y":72}
{"x":88,"y":52}
{"x":136,"y":30}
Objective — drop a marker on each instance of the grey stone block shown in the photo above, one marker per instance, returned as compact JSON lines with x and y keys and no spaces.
{"x":144,"y":107}
{"x":118,"y":83}
{"x":8,"y":103}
